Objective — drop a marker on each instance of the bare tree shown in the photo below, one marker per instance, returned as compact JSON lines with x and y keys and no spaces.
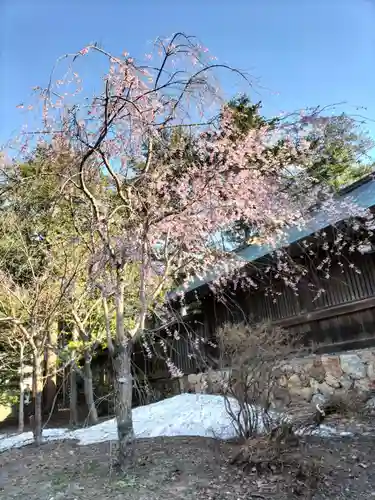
{"x":29,"y":309}
{"x":16,"y":356}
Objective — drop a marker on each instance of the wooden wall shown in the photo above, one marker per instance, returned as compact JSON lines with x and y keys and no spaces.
{"x":342,"y":316}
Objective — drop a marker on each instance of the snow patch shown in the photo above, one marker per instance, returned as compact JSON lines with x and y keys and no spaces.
{"x":183,"y":415}
{"x":19,"y":440}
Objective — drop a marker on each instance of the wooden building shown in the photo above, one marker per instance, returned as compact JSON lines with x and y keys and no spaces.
{"x":341,"y":318}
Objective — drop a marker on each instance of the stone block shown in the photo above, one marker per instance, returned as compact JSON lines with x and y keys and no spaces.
{"x":314,"y":384}
{"x":371,"y":370}
{"x":282,"y":381}
{"x":342,"y":394}
{"x":294,"y":381}
{"x":215,"y":382}
{"x":280,"y":397}
{"x":288,"y":369}
{"x":184,"y":384}
{"x":305,"y":379}
{"x":225,"y":373}
{"x":352,"y":365}
{"x":297,"y":365}
{"x":370,"y":405}
{"x":346,"y":382}
{"x":308,"y":364}
{"x":326,"y":389}
{"x":195,"y":382}
{"x":304,"y":393}
{"x":194,"y":378}
{"x":317,"y":371}
{"x":332,"y":381}
{"x":363,"y":385}
{"x":367,"y":355}
{"x":307,"y":393}
{"x":332,"y":366}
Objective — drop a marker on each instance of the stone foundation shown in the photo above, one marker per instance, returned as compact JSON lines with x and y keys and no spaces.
{"x":310,"y":379}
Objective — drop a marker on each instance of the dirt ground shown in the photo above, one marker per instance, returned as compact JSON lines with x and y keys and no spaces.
{"x":179,"y":468}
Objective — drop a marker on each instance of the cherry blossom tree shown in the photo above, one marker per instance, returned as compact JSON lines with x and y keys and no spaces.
{"x":161,"y":171}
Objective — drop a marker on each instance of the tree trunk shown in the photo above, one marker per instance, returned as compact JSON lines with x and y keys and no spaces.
{"x":38,"y":393}
{"x":123,"y":381}
{"x":51,"y":361}
{"x":73,"y":396}
{"x":21,"y":409}
{"x":123,"y":400}
{"x":89,"y":390}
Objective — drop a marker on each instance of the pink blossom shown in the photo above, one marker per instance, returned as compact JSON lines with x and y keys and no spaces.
{"x":182,"y":200}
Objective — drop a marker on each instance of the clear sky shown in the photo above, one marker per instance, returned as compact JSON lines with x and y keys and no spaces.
{"x":304,"y":52}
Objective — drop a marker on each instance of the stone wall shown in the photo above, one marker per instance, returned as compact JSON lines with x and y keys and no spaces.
{"x":310,"y":379}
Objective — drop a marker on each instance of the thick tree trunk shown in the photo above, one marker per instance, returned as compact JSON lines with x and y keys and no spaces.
{"x":21,"y":409}
{"x":123,"y":382}
{"x":89,"y":390}
{"x":123,"y":400}
{"x":38,"y":393}
{"x":73,"y":396}
{"x":51,"y":361}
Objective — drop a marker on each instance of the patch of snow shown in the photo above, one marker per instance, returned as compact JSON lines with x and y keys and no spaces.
{"x":105,"y":431}
{"x":183,"y":415}
{"x":55,"y":434}
{"x":327,"y":431}
{"x":16,"y":441}
{"x":370,"y":405}
{"x":25,"y":438}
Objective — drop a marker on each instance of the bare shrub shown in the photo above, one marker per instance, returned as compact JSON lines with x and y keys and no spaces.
{"x":282,"y":451}
{"x":254,"y":355}
{"x":349,"y":405}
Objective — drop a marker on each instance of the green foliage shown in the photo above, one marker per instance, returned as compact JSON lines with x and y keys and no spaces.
{"x":353,"y":174}
{"x":341,"y":149}
{"x":35,"y":207}
{"x":247,"y":116}
{"x":7,"y":397}
{"x":8,"y":371}
{"x":35,"y":249}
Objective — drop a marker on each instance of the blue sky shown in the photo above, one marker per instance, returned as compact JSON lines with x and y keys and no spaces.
{"x":302,"y":52}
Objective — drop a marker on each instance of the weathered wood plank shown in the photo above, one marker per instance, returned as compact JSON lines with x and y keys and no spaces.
{"x":328,"y":312}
